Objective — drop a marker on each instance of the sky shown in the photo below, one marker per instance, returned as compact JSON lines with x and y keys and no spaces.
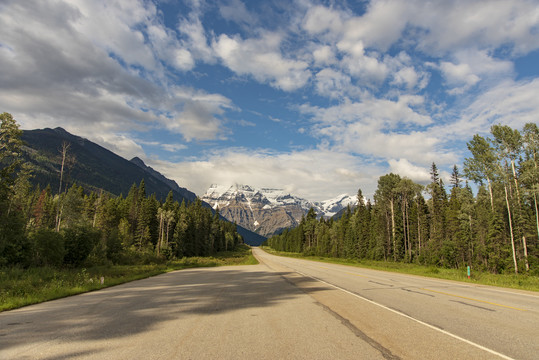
{"x":319,"y":98}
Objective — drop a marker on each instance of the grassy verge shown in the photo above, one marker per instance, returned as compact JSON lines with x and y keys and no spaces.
{"x":522,"y":282}
{"x":21,"y":287}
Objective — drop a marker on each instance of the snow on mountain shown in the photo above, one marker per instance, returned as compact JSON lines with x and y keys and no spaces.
{"x":332,"y":206}
{"x":268,"y":211}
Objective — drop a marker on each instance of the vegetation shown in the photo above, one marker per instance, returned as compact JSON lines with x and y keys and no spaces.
{"x":21,"y":287}
{"x":495,"y":231}
{"x":75,"y":229}
{"x":522,"y":282}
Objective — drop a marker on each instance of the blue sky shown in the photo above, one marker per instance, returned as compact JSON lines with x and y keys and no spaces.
{"x":316,"y":97}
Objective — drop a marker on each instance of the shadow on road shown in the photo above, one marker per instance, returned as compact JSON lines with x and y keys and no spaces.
{"x":136,"y":307}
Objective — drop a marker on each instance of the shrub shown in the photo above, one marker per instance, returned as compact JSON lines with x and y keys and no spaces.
{"x":49,"y":247}
{"x":79,"y":242}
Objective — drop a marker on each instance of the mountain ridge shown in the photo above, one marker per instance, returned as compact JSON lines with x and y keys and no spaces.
{"x":268,"y":211}
{"x":89,"y":165}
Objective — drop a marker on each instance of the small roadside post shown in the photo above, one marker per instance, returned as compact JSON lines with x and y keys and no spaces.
{"x":468,"y":271}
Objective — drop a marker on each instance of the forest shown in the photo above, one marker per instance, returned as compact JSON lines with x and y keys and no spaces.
{"x":493,"y":228}
{"x":71,"y":226}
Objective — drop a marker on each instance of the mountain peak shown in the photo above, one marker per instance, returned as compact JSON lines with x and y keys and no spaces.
{"x":267,"y":211}
{"x":61,"y":130}
{"x":138,"y":161}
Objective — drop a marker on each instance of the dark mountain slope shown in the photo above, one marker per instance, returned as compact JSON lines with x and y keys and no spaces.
{"x":90,"y":165}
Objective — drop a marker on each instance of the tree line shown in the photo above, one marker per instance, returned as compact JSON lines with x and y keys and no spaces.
{"x":496,"y":229}
{"x":75,"y":227}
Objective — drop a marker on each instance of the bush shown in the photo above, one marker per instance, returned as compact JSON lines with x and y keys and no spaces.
{"x":15,"y":248}
{"x":79,"y":242}
{"x":49,"y":247}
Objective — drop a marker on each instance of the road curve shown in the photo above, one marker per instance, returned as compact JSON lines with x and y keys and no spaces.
{"x":280,"y":309}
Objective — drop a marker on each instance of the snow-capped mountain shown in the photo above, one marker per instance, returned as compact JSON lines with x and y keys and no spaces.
{"x":268,"y":211}
{"x":331,"y":207}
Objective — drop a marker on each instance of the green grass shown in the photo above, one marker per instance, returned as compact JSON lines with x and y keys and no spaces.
{"x":20,"y":287}
{"x":521,"y":281}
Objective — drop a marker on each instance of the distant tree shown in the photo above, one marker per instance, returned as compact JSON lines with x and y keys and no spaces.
{"x":385,"y":197}
{"x":455,"y":177}
{"x":480,"y":166}
{"x":509,"y":142}
{"x":63,"y":153}
{"x":530,"y":167}
{"x":14,"y":247}
{"x":504,"y":149}
{"x":10,"y":158}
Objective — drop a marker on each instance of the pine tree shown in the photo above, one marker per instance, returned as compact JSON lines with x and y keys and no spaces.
{"x":14,"y":247}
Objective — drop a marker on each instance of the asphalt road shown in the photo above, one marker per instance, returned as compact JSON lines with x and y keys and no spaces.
{"x":281,"y":309}
{"x":417,"y":317}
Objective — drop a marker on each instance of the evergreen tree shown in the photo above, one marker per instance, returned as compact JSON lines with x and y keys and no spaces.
{"x":14,"y":247}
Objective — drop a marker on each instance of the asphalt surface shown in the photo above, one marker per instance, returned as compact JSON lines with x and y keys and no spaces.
{"x":281,"y":309}
{"x":416,"y":317}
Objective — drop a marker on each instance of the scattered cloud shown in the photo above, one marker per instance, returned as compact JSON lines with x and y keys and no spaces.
{"x":257,"y":168}
{"x":262,"y":59}
{"x":405,"y":168}
{"x":393,"y":86}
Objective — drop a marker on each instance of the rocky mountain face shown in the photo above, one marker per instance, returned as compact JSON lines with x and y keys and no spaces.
{"x":268,"y":211}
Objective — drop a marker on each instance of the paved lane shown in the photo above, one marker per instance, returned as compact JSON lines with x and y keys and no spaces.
{"x":243,"y":312}
{"x":501,"y":322}
{"x":281,"y":309}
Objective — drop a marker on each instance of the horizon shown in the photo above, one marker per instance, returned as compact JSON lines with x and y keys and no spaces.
{"x":319,"y":98}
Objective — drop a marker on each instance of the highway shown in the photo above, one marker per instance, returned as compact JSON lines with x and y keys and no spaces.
{"x":283,"y":308}
{"x":418,"y":317}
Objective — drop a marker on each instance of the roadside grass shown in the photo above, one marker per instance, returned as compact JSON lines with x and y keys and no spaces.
{"x":521,"y":281}
{"x":20,"y":287}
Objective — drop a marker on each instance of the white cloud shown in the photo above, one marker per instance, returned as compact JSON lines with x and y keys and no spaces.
{"x":381,"y":25}
{"x":111,"y":26}
{"x":509,"y":103}
{"x":173,"y":147}
{"x":386,"y":113}
{"x":467,"y":31}
{"x":324,"y":55}
{"x":451,"y":25}
{"x":194,"y":38}
{"x":319,"y":20}
{"x":382,"y":129}
{"x":195,"y":121}
{"x":262,"y":59}
{"x":236,"y":11}
{"x":293,"y":171}
{"x":406,"y":76}
{"x":333,"y":84}
{"x":405,"y":168}
{"x":119,"y":144}
{"x":474,"y":66}
{"x":459,"y":77}
{"x":87,"y":67}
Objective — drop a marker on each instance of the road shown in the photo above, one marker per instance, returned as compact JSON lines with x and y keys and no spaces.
{"x":282,"y":308}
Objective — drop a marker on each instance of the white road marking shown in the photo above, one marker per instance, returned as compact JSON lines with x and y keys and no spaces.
{"x":411,"y":318}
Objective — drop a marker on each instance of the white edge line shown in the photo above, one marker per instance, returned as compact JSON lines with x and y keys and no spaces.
{"x":411,"y":318}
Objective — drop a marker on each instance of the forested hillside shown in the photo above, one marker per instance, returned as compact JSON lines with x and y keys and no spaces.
{"x":75,"y":227}
{"x":55,"y":155}
{"x":496,"y":229}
